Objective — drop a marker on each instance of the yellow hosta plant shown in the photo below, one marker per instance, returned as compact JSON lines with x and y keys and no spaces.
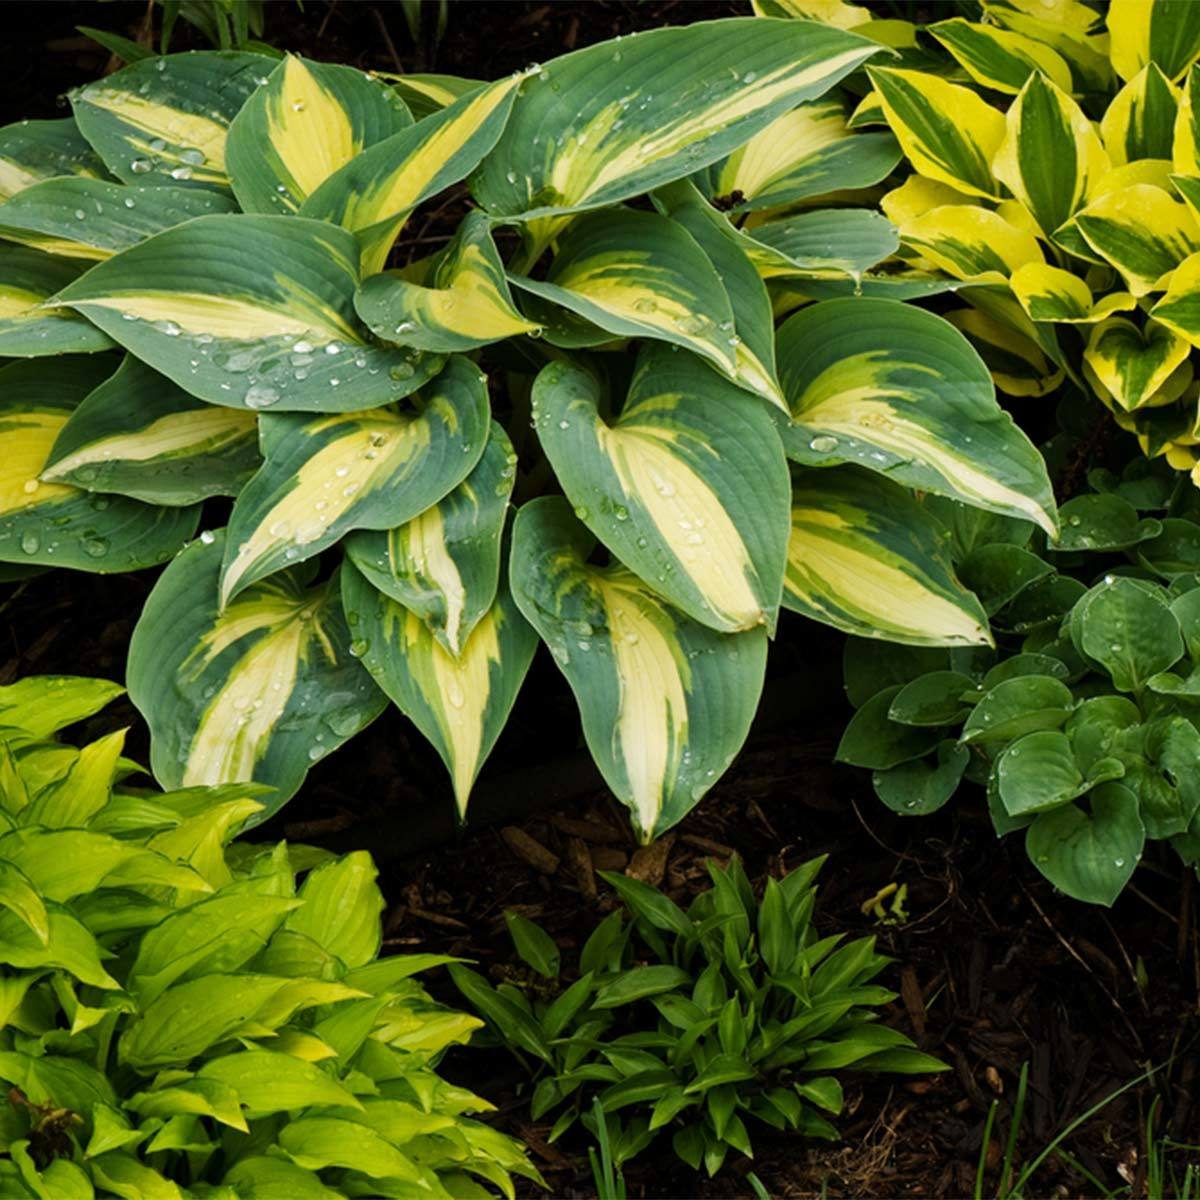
{"x":206,"y":286}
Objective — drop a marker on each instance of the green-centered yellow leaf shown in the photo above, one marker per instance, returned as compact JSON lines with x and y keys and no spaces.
{"x":1069,"y":27}
{"x":666,"y":702}
{"x":970,"y":242}
{"x":31,"y":151}
{"x":830,"y":12}
{"x":324,"y":476}
{"x":28,"y":278}
{"x":901,"y":391}
{"x":1132,"y":363}
{"x":139,"y":435}
{"x":947,"y":131}
{"x":459,"y":702}
{"x":688,"y":487}
{"x":252,"y":312}
{"x":1179,"y":309}
{"x":1140,"y":120}
{"x":304,"y":124}
{"x":1049,"y":293}
{"x":260,"y":691}
{"x":1163,"y":32}
{"x":998,"y":58}
{"x":1185,"y":141}
{"x":1019,"y":365}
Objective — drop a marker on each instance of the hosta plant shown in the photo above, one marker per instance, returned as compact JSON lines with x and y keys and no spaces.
{"x":701,"y":1023}
{"x":182,"y":1018}
{"x":236,"y":227}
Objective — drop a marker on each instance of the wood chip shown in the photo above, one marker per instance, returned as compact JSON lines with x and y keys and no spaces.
{"x":581,"y":867}
{"x":529,"y":850}
{"x":703,"y":843}
{"x":649,"y":863}
{"x":605,"y":858}
{"x":590,"y":831}
{"x":914,"y":1001}
{"x":435,"y":918}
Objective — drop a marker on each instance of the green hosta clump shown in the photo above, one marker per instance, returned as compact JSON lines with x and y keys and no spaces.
{"x":701,"y":1023}
{"x":181,"y":1018}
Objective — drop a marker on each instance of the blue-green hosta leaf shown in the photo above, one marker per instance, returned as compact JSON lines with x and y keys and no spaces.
{"x":1128,"y":630}
{"x":460,"y":703}
{"x":589,"y":131}
{"x":252,"y":312}
{"x":324,"y":476}
{"x":826,"y":241}
{"x":31,"y":151}
{"x":258,"y":692}
{"x":1139,"y":122}
{"x":688,"y":487}
{"x":1163,"y":32}
{"x":666,"y":702}
{"x":28,"y":278}
{"x":165,"y":120}
{"x":865,"y":557}
{"x":466,"y":305}
{"x":54,"y":524}
{"x":998,"y":58}
{"x":444,"y":564}
{"x":139,"y":435}
{"x":899,"y":390}
{"x":305,"y":123}
{"x":1133,"y":364}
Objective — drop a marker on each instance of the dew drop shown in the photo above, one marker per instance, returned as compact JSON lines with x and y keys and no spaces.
{"x":823,"y":444}
{"x":95,"y":547}
{"x":260,"y":396}
{"x":208,"y":537}
{"x":30,"y":543}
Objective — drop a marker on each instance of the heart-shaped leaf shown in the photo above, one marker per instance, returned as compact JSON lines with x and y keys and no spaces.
{"x":1133,"y":364}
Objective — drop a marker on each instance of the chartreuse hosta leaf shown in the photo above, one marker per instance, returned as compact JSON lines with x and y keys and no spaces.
{"x":688,"y":487}
{"x":53,"y":524}
{"x":467,"y":303}
{"x":1163,"y":32}
{"x":31,"y":151}
{"x":1133,"y":364}
{"x":323,"y":476}
{"x":444,"y":564}
{"x":900,"y":390}
{"x":139,"y":435}
{"x":165,"y":120}
{"x":998,"y":58}
{"x":460,"y":702}
{"x":589,"y":131}
{"x":1049,"y":293}
{"x":249,"y":311}
{"x":865,"y":557}
{"x":949,"y":134}
{"x":666,"y":702}
{"x":1139,"y":122}
{"x":305,"y":123}
{"x":257,"y":692}
{"x":1051,"y":157}
{"x":28,"y":278}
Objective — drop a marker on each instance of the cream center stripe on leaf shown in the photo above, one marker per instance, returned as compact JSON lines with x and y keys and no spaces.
{"x":328,"y":146}
{"x":27,"y":440}
{"x":158,"y":122}
{"x":425,"y":547}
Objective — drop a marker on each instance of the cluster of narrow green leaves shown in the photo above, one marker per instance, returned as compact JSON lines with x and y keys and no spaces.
{"x":178,"y":1018}
{"x":641,"y":213}
{"x":697,"y":1022}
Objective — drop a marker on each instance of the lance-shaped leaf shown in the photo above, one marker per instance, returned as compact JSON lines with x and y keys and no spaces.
{"x":444,"y":564}
{"x":1133,"y":364}
{"x":900,"y":390}
{"x":947,"y":131}
{"x":466,"y":305}
{"x":1185,"y":141}
{"x":688,"y":487}
{"x":824,"y":242}
{"x":970,"y":242}
{"x":31,"y":151}
{"x":94,"y":219}
{"x":53,"y":524}
{"x":588,"y":130}
{"x":1179,"y":309}
{"x":1142,"y":232}
{"x":1163,"y":32}
{"x":250,"y":311}
{"x":1049,"y":293}
{"x":459,"y":702}
{"x":1139,"y":122}
{"x":258,"y":692}
{"x":999,"y":58}
{"x":1069,"y":27}
{"x":1051,"y":157}
{"x":866,"y":558}
{"x":803,"y":153}
{"x":139,"y":435}
{"x":666,"y":702}
{"x":307,"y":122}
{"x":28,"y":278}
{"x":165,"y":120}
{"x":374,"y":193}
{"x":323,"y":476}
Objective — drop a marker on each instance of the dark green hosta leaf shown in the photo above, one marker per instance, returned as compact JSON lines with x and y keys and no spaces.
{"x":923,"y":785}
{"x":870,"y":666}
{"x":535,"y":946}
{"x":873,"y":740}
{"x":933,"y":699}
{"x":1129,"y":630}
{"x":1038,"y":772}
{"x":1104,"y":522}
{"x":1015,"y":707}
{"x":998,"y":574}
{"x":1175,"y":551}
{"x":639,"y":982}
{"x":28,"y":278}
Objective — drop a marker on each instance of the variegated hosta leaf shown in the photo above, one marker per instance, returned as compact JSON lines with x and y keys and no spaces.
{"x":1018,"y":365}
{"x":257,"y":692}
{"x":1133,"y":364}
{"x":998,"y":58}
{"x":1179,"y":309}
{"x":1051,"y":158}
{"x":460,"y":703}
{"x":426,"y":93}
{"x":444,"y":564}
{"x":666,"y":702}
{"x":1142,"y":232}
{"x":94,"y":219}
{"x":947,"y":131}
{"x":1185,"y":141}
{"x":326,"y":475}
{"x":970,"y":242}
{"x":165,"y":120}
{"x":31,"y":151}
{"x":53,"y":524}
{"x":1051,"y":294}
{"x":590,"y":130}
{"x":308,"y":121}
{"x":1164,"y":32}
{"x":139,"y":435}
{"x":688,"y":487}
{"x":374,"y":193}
{"x":1069,"y":27}
{"x":803,"y":153}
{"x":250,"y":311}
{"x":866,"y":558}
{"x":28,"y":278}
{"x":467,"y":303}
{"x":823,"y":242}
{"x":830,"y":12}
{"x":899,"y":390}
{"x":1140,"y":121}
